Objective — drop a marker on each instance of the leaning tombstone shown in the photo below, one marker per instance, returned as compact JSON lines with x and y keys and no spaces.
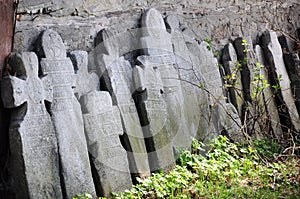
{"x":66,"y":115}
{"x":117,"y":75}
{"x":33,"y":145}
{"x":195,"y":99}
{"x":152,"y":109}
{"x":103,"y":126}
{"x":279,"y":79}
{"x":156,"y":43}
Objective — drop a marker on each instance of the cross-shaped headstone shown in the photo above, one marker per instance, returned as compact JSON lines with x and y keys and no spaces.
{"x":66,"y":116}
{"x":118,"y":80}
{"x":33,"y":144}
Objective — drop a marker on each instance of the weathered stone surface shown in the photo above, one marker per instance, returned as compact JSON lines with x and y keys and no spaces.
{"x":277,"y":72}
{"x":224,"y":116}
{"x":231,"y":67}
{"x":33,"y":146}
{"x":195,"y":105}
{"x":270,"y":113}
{"x":66,"y":115}
{"x":292,"y":64}
{"x":152,"y":109}
{"x":156,"y":43}
{"x":103,"y":126}
{"x":85,"y":82}
{"x":116,"y":73}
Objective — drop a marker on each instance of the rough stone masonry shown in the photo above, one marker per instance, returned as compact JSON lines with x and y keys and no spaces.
{"x":102,"y":92}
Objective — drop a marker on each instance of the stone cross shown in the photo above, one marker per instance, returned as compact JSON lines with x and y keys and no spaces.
{"x":152,"y":108}
{"x":103,"y":126}
{"x":156,"y":43}
{"x":66,"y":116}
{"x":85,"y":82}
{"x":33,"y":145}
{"x":117,"y":75}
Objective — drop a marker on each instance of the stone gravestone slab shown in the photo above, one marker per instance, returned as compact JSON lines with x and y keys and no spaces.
{"x":117,"y":75}
{"x":156,"y":43}
{"x":103,"y":127}
{"x":195,"y":99}
{"x":33,"y":145}
{"x":152,"y":109}
{"x":232,"y":70}
{"x":270,"y":114}
{"x":224,"y":115}
{"x":284,"y":99}
{"x":66,"y":116}
{"x":85,"y":82}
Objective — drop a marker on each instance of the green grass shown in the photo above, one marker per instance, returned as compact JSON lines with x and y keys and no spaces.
{"x":226,"y":171}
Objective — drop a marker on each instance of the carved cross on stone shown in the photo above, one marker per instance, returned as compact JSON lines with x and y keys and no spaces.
{"x":152,"y":109}
{"x":117,"y":75}
{"x":33,"y":145}
{"x":66,"y":116}
{"x":85,"y":82}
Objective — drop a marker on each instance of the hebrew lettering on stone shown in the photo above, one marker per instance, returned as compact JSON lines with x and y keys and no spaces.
{"x":66,"y":115}
{"x":34,"y":163}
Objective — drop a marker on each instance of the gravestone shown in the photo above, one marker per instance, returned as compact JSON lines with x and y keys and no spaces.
{"x":284,"y":99}
{"x":195,"y":99}
{"x":103,"y":126}
{"x":224,"y":115}
{"x":34,"y":164}
{"x":66,"y":115}
{"x":117,"y":75}
{"x":270,"y":113}
{"x":156,"y":43}
{"x":232,"y":71}
{"x":85,"y":82}
{"x":152,"y":109}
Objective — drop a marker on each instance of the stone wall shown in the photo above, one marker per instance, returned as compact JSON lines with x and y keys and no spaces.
{"x":79,"y":21}
{"x":127,"y":86}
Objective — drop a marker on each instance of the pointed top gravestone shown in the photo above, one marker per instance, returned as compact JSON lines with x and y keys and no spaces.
{"x":66,"y":115}
{"x":33,"y":145}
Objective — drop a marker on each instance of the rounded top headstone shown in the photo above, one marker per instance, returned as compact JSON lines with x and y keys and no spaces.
{"x":153,"y":23}
{"x":172,"y":22}
{"x":52,"y":44}
{"x":79,"y":59}
{"x":108,"y":42}
{"x":25,"y":64}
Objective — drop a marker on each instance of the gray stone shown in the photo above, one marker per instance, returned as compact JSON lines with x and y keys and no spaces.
{"x":85,"y":82}
{"x":153,"y":113}
{"x":103,"y":126}
{"x":156,"y":43}
{"x":224,"y":115}
{"x":285,"y":98}
{"x":33,"y":145}
{"x":117,"y":75}
{"x":66,"y":115}
{"x":195,"y":99}
{"x":230,"y":64}
{"x":270,"y":113}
